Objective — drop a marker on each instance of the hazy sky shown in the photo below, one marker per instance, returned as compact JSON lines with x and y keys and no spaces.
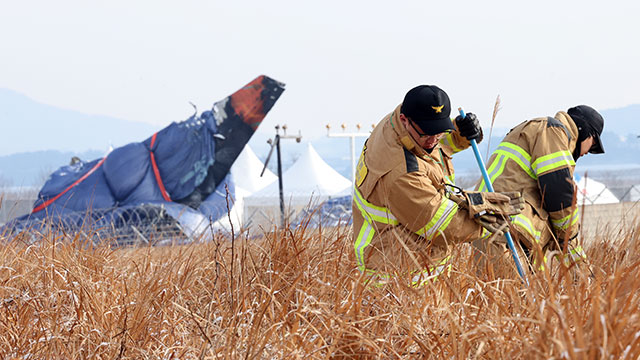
{"x":342,"y":61}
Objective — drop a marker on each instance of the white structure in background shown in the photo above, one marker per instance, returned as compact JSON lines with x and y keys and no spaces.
{"x":245,"y":174}
{"x":592,"y":192}
{"x":634,"y":193}
{"x":352,"y":137}
{"x":309,"y":181}
{"x":16,"y":201}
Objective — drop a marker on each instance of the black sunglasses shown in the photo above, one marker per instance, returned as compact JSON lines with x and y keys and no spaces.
{"x":423,"y":135}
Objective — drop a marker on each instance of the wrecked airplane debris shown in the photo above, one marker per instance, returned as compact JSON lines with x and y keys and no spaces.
{"x":161,"y":185}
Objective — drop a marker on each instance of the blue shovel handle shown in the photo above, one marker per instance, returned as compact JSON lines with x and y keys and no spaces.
{"x":487,"y":181}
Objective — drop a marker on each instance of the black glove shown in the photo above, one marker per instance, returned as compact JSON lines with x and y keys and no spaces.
{"x":469,"y":127}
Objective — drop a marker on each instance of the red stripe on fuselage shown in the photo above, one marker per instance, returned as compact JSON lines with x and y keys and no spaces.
{"x":48,"y":202}
{"x":156,"y":171}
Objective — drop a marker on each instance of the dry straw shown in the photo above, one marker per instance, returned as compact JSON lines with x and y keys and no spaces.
{"x":295,"y":294}
{"x":496,"y":109}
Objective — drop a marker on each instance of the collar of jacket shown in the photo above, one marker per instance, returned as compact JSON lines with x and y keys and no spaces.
{"x":403,"y":136}
{"x":565,"y":119}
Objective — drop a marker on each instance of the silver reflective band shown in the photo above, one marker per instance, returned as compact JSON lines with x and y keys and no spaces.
{"x":450,"y":207}
{"x":497,"y":170}
{"x":516,"y":153}
{"x":563,"y":158}
{"x":371,"y":213}
{"x":363,"y":242}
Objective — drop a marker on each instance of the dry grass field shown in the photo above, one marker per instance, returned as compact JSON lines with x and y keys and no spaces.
{"x":297,"y":295}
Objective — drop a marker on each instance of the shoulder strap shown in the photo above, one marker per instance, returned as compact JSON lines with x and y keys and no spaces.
{"x":553,"y":122}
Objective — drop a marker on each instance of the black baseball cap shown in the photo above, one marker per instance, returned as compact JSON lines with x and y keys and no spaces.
{"x":589,"y":123}
{"x":428,"y":107}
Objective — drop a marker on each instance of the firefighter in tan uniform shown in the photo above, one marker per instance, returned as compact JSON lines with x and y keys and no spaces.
{"x":405,"y":210}
{"x":538,"y":158}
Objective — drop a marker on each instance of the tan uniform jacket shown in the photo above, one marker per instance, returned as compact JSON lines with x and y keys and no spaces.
{"x":403,"y":219}
{"x":536,"y":159}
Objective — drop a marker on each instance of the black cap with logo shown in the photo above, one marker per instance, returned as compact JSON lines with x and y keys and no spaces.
{"x":589,"y":123}
{"x":428,"y":107}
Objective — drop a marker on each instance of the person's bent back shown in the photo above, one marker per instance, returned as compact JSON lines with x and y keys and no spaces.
{"x":538,"y":158}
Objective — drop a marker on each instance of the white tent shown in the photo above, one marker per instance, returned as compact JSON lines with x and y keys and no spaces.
{"x":634,"y":193}
{"x":245,"y":174}
{"x":309,"y":181}
{"x":592,"y":192}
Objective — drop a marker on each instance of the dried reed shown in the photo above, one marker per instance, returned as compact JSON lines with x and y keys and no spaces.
{"x":496,"y":108}
{"x":295,"y":294}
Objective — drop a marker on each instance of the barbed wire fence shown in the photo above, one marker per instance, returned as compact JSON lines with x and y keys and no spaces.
{"x":148,"y":224}
{"x":151,"y":224}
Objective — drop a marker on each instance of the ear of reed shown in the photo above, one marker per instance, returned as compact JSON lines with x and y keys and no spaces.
{"x":496,"y":109}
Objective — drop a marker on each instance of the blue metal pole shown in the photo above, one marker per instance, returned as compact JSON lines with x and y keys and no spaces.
{"x":487,"y":181}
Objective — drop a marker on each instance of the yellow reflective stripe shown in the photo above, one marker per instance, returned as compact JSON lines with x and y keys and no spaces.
{"x":506,"y":151}
{"x":426,"y":275}
{"x":370,"y":213}
{"x":440,"y":220}
{"x":449,"y":180}
{"x":544,"y":261}
{"x":524,"y":223}
{"x":362,"y":241}
{"x":517,"y":154}
{"x":576,"y":254}
{"x":507,"y":146}
{"x":448,"y":140}
{"x":523,"y":159}
{"x":379,"y":279}
{"x":567,"y":221}
{"x":552,"y":161}
{"x":495,"y":169}
{"x":576,"y":217}
{"x":373,"y":212}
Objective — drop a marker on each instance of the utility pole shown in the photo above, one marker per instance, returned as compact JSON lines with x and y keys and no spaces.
{"x":276,"y":143}
{"x":352,"y":137}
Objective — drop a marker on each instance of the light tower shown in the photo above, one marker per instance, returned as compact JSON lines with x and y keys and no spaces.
{"x":352,"y":136}
{"x":276,"y":143}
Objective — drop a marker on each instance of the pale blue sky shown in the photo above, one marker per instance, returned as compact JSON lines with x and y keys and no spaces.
{"x":342,"y":61}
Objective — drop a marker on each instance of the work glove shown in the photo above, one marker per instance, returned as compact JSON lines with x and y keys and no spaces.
{"x":494,"y":203}
{"x":469,"y":127}
{"x":490,"y":210}
{"x":495,"y":224}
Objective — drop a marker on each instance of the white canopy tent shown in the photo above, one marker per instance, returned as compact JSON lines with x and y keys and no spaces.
{"x":634,"y":193}
{"x":245,"y":174}
{"x":592,"y":192}
{"x":307,"y":182}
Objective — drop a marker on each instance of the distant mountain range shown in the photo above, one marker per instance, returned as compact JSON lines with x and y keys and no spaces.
{"x":35,"y":140}
{"x":32,"y":168}
{"x":623,"y":121}
{"x":27,"y":125}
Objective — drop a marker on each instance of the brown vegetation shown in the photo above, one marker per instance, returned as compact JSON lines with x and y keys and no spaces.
{"x":296,"y":294}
